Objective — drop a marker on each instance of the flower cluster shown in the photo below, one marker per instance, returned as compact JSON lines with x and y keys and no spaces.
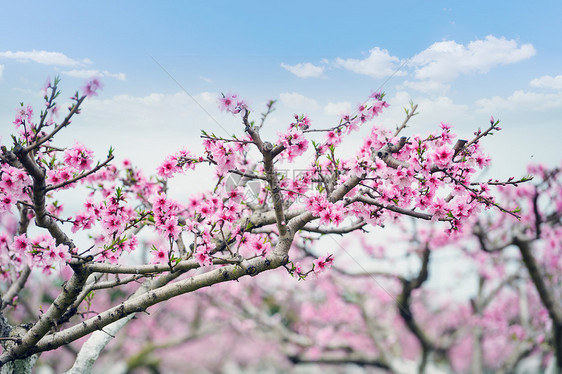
{"x":388,"y":177}
{"x":293,"y":139}
{"x":78,"y":157}
{"x":322,"y":263}
{"x":180,"y":162}
{"x":13,"y":183}
{"x":92,"y":87}
{"x":24,"y":115}
{"x":41,"y":252}
{"x":231,"y":104}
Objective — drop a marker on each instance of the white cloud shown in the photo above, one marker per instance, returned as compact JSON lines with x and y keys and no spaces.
{"x":209,"y":98}
{"x":431,"y":112}
{"x":44,"y":57}
{"x":306,"y":70}
{"x":1,"y":70}
{"x":445,"y":60}
{"x":546,"y":81}
{"x":426,"y":86}
{"x":295,"y":100}
{"x":521,"y":100}
{"x":338,"y":108}
{"x":379,"y":64}
{"x":442,"y":109}
{"x":85,"y":73}
{"x":147,"y":128}
{"x":118,"y":76}
{"x":149,"y":111}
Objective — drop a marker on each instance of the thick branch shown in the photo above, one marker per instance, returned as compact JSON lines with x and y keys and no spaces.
{"x":394,"y":208}
{"x":546,"y":295}
{"x":91,"y":349}
{"x":385,"y":154}
{"x":183,"y":265}
{"x":335,"y":230}
{"x":72,"y":287}
{"x":15,"y":288}
{"x":42,"y":217}
{"x":352,"y":359}
{"x":543,"y":290}
{"x":142,"y":302}
{"x":406,"y":313}
{"x":47,"y":320}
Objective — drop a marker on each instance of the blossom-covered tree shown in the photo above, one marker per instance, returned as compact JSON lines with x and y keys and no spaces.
{"x":386,"y":318}
{"x":215,"y":237}
{"x":537,"y":236}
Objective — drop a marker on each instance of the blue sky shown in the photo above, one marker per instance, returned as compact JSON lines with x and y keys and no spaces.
{"x":461,"y":61}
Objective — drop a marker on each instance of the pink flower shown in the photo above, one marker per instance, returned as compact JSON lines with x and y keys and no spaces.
{"x":113,"y":224}
{"x":171,"y":228}
{"x":325,"y":216}
{"x":61,"y":253}
{"x":230,"y":103}
{"x":78,"y":157}
{"x":227,"y":102}
{"x":46,"y":85}
{"x":322,"y":263}
{"x":298,"y":269}
{"x":378,"y":106}
{"x":261,"y":247}
{"x":23,"y":114}
{"x":159,"y":256}
{"x":83,"y":220}
{"x":6,"y":202}
{"x":168,"y":167}
{"x":202,"y":257}
{"x":442,"y":156}
{"x":482,"y":161}
{"x":438,"y":209}
{"x":132,"y":243}
{"x":54,"y":113}
{"x":92,"y":86}
{"x":21,"y":243}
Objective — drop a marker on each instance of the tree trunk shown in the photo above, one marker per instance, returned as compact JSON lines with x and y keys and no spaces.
{"x":19,"y":366}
